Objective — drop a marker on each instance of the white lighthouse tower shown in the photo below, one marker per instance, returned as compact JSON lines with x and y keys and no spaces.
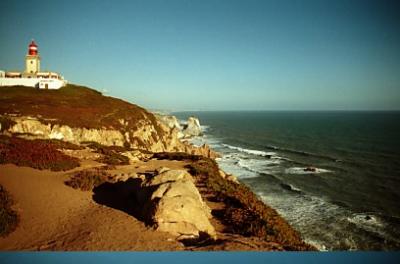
{"x":32,"y":60}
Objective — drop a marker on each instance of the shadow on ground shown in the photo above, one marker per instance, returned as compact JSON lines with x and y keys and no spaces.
{"x":123,"y":196}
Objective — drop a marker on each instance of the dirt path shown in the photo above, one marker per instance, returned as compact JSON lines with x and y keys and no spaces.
{"x":54,"y":216}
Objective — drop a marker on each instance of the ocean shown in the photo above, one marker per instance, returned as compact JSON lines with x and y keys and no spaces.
{"x":334,"y":176}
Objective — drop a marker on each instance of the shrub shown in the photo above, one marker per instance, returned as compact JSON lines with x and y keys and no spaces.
{"x":112,"y":158}
{"x":111,"y":154}
{"x":8,"y":217}
{"x":86,"y":180}
{"x":38,"y":154}
{"x":176,"y":156}
{"x":6,"y":123}
{"x":59,"y":144}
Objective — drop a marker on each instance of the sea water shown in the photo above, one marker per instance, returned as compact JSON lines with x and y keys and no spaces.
{"x":334,"y":176}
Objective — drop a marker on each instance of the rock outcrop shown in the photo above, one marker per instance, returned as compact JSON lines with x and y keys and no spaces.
{"x":192,"y":128}
{"x":175,"y":205}
{"x":186,"y":129}
{"x":203,"y":150}
{"x":32,"y":126}
{"x":169,"y":120}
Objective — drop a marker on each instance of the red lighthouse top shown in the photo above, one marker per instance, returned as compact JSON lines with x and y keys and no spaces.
{"x":33,"y":48}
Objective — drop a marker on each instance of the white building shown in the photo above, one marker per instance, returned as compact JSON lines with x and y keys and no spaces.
{"x":32,"y":76}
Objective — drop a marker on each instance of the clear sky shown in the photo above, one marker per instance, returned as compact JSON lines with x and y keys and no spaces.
{"x":215,"y":54}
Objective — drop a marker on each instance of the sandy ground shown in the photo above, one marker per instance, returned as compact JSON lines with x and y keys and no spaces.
{"x":54,"y":216}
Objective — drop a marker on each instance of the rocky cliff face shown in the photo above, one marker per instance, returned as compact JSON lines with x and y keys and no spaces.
{"x":77,"y":114}
{"x":169,"y":120}
{"x":33,"y":127}
{"x":192,"y":128}
{"x":187,"y":129}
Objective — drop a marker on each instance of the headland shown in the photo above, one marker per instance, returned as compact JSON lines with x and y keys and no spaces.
{"x":83,"y":171}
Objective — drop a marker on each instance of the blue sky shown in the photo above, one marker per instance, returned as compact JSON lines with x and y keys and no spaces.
{"x":216,"y":55}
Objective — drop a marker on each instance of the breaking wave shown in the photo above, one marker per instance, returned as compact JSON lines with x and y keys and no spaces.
{"x":251,"y":151}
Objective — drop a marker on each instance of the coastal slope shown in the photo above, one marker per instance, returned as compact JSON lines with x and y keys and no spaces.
{"x":82,"y":168}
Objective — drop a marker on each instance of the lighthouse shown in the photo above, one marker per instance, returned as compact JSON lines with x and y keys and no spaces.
{"x":32,"y":59}
{"x":32,"y":76}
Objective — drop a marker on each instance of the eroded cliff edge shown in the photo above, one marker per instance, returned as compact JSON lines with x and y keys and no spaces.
{"x":79,"y":114}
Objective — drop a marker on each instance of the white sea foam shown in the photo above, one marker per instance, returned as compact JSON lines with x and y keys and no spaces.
{"x":233,"y":168}
{"x":256,"y":165}
{"x":368,"y":221}
{"x":251,"y":151}
{"x":303,"y":170}
{"x":310,"y":214}
{"x":290,"y":187}
{"x":314,"y":215}
{"x":204,"y":128}
{"x":244,"y":166}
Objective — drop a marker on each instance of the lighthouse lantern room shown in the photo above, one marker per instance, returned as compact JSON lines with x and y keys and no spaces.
{"x":32,"y":60}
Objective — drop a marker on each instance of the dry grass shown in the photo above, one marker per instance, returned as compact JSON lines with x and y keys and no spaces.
{"x":86,"y":180}
{"x":8,"y":217}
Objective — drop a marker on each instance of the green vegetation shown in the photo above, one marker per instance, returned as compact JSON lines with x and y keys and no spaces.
{"x":8,"y":217}
{"x":38,"y":154}
{"x":86,"y":180}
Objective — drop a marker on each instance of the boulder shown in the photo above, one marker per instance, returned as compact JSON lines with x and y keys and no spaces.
{"x":162,"y":169}
{"x":182,"y":188}
{"x":136,"y":155}
{"x":125,"y":176}
{"x":169,"y":176}
{"x":176,"y":206}
{"x":182,"y":215}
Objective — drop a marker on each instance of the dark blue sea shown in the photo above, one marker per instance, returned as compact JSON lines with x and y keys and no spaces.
{"x":351,"y":198}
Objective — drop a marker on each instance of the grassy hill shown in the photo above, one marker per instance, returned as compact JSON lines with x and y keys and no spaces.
{"x":73,"y":105}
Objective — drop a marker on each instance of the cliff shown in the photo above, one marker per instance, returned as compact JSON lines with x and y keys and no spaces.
{"x":79,"y":114}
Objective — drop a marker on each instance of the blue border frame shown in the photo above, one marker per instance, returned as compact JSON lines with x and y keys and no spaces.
{"x":199,"y":257}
